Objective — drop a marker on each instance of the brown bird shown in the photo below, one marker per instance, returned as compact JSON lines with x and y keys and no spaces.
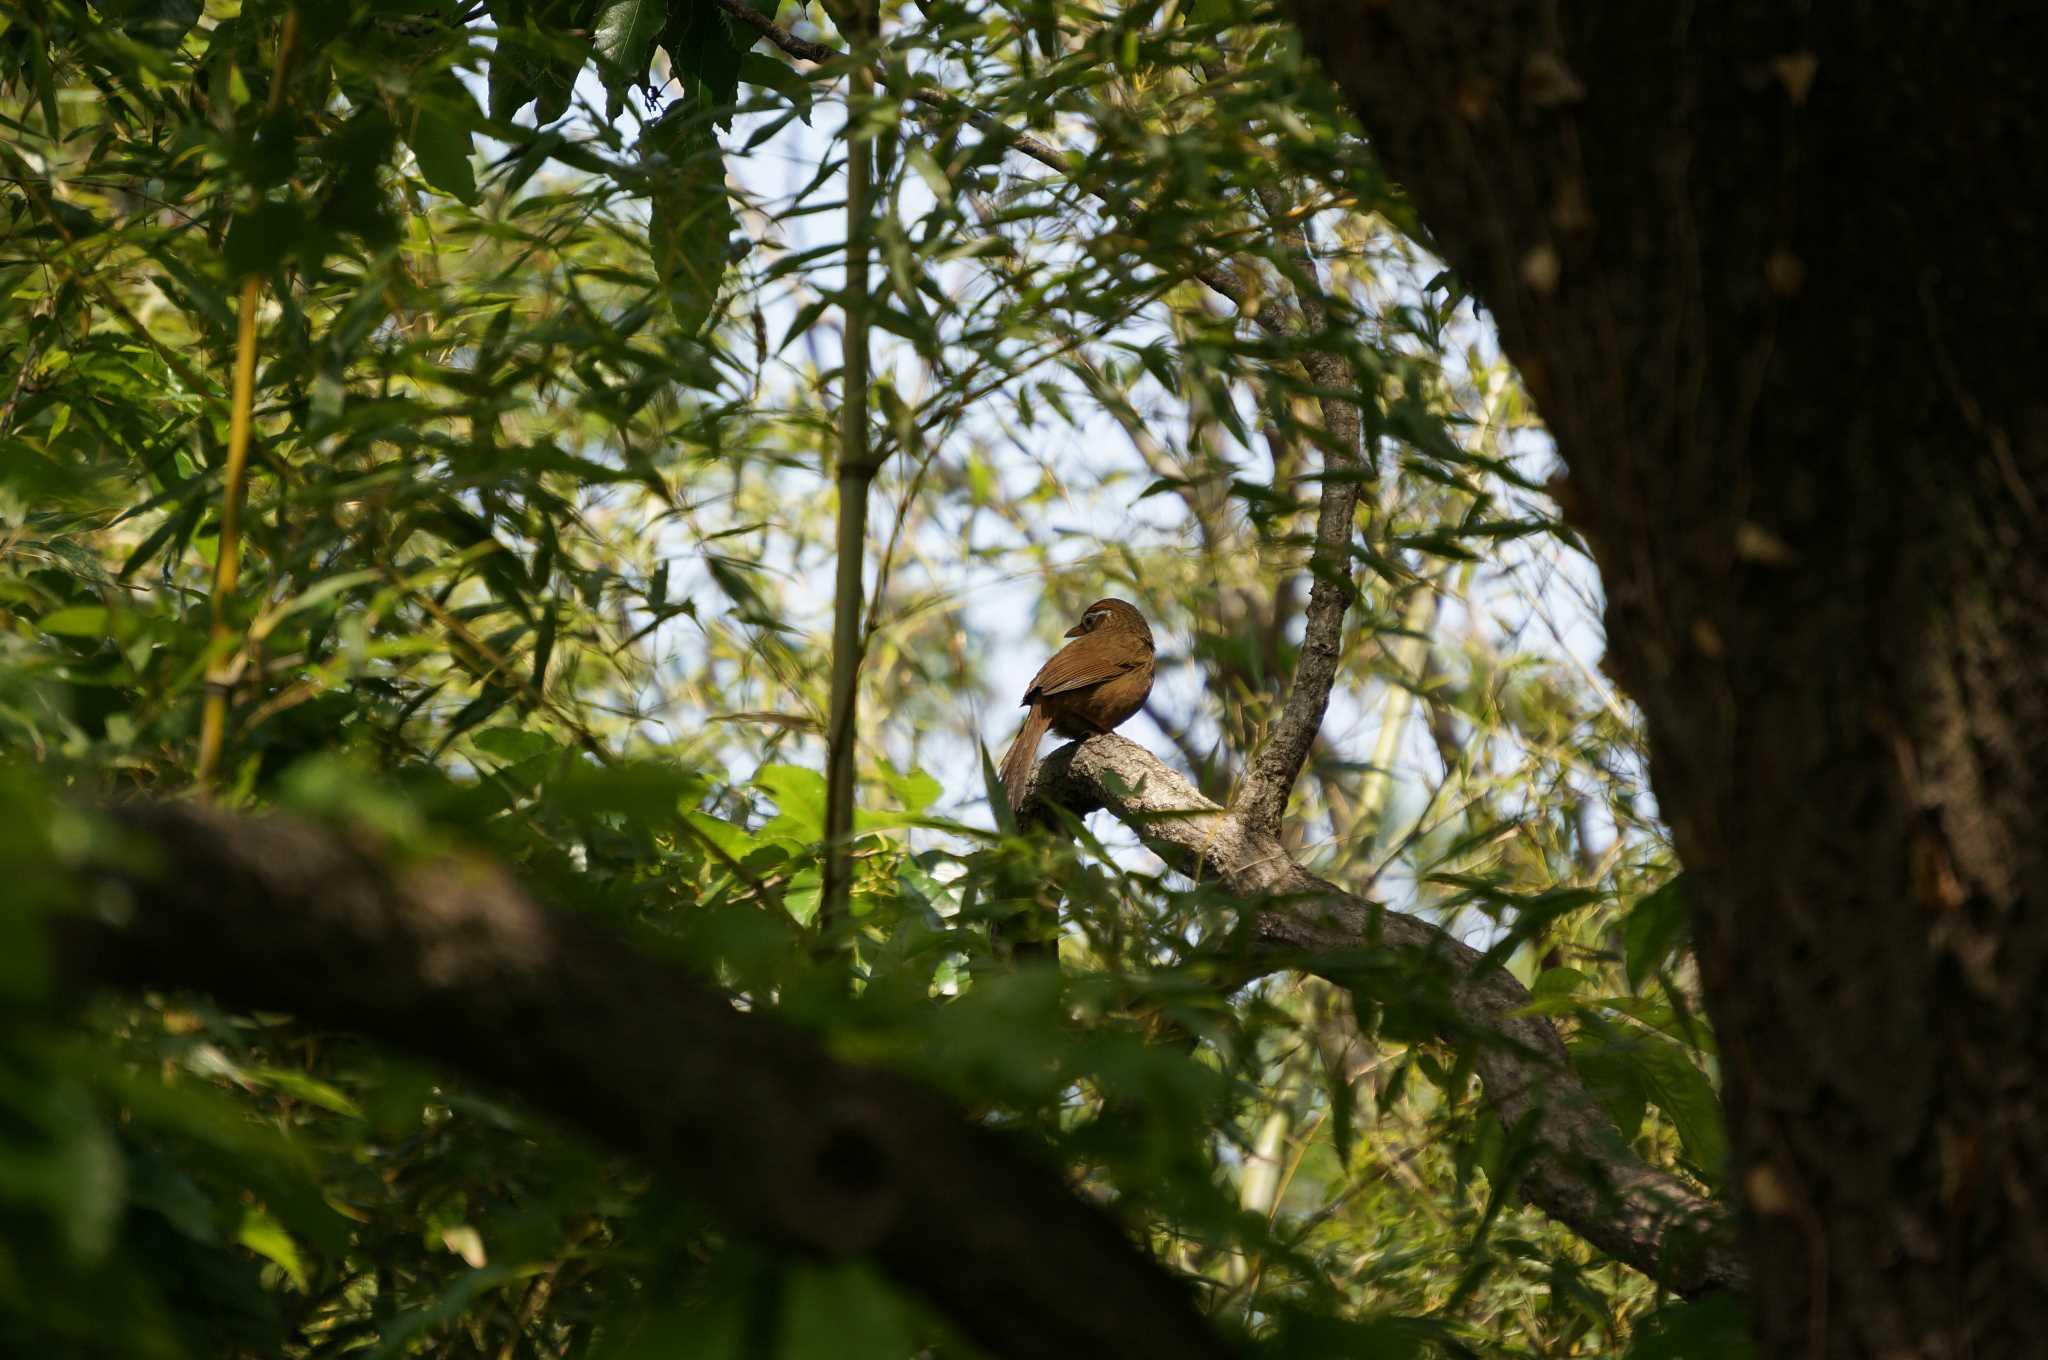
{"x":1090,"y":685}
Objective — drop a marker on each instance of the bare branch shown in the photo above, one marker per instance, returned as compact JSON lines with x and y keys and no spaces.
{"x":451,"y":960}
{"x":1270,"y":777}
{"x":801,"y":48}
{"x":1582,"y":1173}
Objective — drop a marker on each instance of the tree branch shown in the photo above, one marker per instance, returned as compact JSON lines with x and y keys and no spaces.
{"x":1269,"y":780}
{"x":1581,"y":1174}
{"x":450,"y":959}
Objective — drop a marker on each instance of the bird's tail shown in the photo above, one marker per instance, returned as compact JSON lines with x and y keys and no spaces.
{"x":1023,"y":756}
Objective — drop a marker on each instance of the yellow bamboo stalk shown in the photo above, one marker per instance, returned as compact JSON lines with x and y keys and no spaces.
{"x":225,"y":666}
{"x":227,"y":561}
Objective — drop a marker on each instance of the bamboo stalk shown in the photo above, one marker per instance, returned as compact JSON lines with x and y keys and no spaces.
{"x":227,"y":561}
{"x":856,"y":471}
{"x":224,"y":667}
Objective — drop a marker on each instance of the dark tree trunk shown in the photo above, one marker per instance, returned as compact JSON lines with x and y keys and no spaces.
{"x":1772,"y":274}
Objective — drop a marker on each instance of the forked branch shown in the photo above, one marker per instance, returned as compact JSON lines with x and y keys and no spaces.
{"x":1581,"y":1173}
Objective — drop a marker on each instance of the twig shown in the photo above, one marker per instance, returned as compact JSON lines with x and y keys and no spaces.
{"x":1276,"y":320}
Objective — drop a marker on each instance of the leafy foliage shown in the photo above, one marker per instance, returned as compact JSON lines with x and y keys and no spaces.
{"x":544,"y":403}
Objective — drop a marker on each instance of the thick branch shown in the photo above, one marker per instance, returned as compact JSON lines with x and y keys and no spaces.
{"x":1582,"y":1173}
{"x":1811,"y":461}
{"x":451,"y":960}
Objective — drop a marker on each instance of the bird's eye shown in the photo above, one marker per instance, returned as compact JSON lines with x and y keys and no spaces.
{"x":1095,"y":619}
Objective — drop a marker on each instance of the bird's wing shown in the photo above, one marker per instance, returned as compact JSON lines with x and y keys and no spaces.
{"x":1074,"y":668}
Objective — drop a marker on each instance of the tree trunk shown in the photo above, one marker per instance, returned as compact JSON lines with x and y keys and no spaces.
{"x":1771,"y":275}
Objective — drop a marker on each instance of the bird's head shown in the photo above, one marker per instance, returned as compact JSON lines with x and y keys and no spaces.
{"x":1111,"y":615}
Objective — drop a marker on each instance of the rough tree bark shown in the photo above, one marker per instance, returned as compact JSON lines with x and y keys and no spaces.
{"x":1579,"y":1170}
{"x":1771,"y":274}
{"x":448,"y":958}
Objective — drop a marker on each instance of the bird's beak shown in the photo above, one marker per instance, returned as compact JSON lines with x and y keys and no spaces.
{"x":1075,"y":631}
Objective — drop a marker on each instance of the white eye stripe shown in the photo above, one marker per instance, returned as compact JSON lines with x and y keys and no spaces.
{"x":1094,"y":619}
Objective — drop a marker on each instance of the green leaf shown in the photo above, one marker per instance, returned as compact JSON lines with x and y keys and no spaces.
{"x":397,"y":1336}
{"x":844,"y":1312}
{"x":58,"y":1158}
{"x":623,"y":38}
{"x":1685,"y":1095}
{"x":770,"y":73}
{"x":998,"y":798}
{"x":260,"y":239}
{"x":510,"y":87}
{"x":443,"y":149}
{"x":302,"y":1087}
{"x":510,"y":82}
{"x":83,"y":621}
{"x":733,"y":840}
{"x":914,"y":790}
{"x":160,"y":23}
{"x":806,"y":317}
{"x":1614,"y":1081}
{"x":1655,"y":927}
{"x":266,"y":1237}
{"x":799,"y":796}
{"x":690,"y":221}
{"x":1627,"y":1068}
{"x":932,"y":173}
{"x":511,"y":744}
{"x":642,"y":790}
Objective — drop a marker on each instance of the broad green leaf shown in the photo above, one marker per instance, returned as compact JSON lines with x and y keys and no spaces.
{"x":1655,"y":927}
{"x":690,"y":220}
{"x":59,"y":1159}
{"x":443,"y":148}
{"x":845,"y":1312}
{"x":933,"y":175}
{"x":511,"y":744}
{"x":775,"y":74}
{"x":1615,"y":1081}
{"x":1627,"y":1068}
{"x":734,"y":841}
{"x":160,"y":23}
{"x":1685,"y":1095}
{"x":266,"y":1237}
{"x":915,"y":790}
{"x":998,"y":798}
{"x":84,"y":621}
{"x":799,"y":796}
{"x":259,"y":240}
{"x":647,"y":791}
{"x":309,"y":1089}
{"x":623,"y":38}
